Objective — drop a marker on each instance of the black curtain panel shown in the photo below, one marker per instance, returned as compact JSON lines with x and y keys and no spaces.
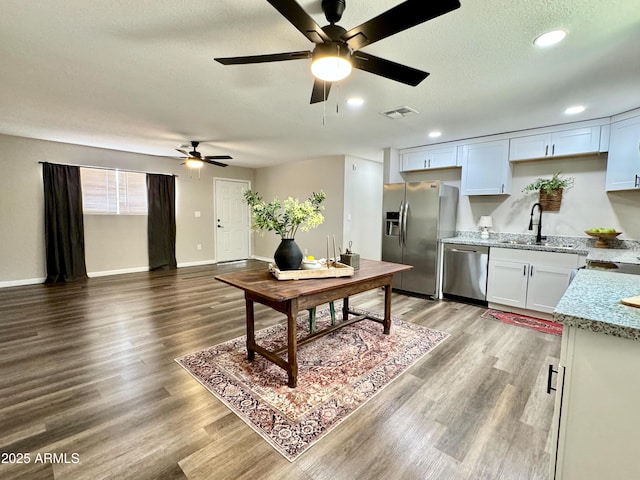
{"x":64,"y":225}
{"x":161,"y":226}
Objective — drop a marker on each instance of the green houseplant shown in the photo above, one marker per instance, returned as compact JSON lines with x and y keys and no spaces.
{"x":285,"y":219}
{"x":549,"y":184}
{"x":550,"y":190}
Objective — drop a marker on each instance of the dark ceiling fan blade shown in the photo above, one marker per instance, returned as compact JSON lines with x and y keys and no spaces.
{"x":320,"y":91}
{"x":292,"y":11}
{"x":274,"y":57}
{"x":182,"y":152}
{"x":217,"y":157}
{"x":401,"y":17}
{"x":213,"y":162}
{"x":388,"y":69}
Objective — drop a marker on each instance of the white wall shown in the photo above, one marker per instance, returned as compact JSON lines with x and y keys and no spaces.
{"x":22,"y":256}
{"x":299,"y":180}
{"x":584,"y":206}
{"x":362,"y":216}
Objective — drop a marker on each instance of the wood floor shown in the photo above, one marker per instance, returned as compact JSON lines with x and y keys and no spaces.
{"x":87,"y":370}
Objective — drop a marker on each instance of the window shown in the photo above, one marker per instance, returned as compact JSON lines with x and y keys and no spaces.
{"x":113,"y":192}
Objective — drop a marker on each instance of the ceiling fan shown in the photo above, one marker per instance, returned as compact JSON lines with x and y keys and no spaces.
{"x":195,"y":160}
{"x":340,"y":48}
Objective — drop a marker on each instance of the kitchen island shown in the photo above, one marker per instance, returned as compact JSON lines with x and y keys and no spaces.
{"x":597,"y":414}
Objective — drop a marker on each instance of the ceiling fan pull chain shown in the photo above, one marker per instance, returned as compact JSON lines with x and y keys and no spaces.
{"x":324,"y":104}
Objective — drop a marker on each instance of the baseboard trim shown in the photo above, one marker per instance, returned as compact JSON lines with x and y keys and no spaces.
{"x":22,"y":283}
{"x":106,"y":273}
{"x":196,"y":264}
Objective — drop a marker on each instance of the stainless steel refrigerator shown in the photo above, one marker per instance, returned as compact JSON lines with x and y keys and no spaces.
{"x":416,"y":216}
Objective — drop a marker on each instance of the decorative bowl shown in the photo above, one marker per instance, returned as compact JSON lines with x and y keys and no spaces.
{"x":311,"y":265}
{"x":602,"y":237}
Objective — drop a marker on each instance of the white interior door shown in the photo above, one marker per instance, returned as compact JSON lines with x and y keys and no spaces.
{"x":232,"y":220}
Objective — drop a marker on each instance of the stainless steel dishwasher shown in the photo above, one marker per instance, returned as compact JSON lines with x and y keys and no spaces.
{"x":465,"y":271}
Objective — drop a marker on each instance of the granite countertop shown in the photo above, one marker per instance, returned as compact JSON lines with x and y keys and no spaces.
{"x":592,"y":302}
{"x":501,"y":242}
{"x":624,"y":252}
{"x":617,"y":255}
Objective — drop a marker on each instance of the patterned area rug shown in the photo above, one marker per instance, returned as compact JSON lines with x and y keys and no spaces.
{"x":337,"y":374}
{"x":524,"y":321}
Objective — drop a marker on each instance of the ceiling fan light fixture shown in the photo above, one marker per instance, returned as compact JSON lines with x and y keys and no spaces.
{"x":331,"y":62}
{"x":194,"y":163}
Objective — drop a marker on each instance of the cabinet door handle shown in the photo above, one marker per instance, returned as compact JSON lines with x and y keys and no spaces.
{"x":502,"y":188}
{"x":531,"y":271}
{"x":524,"y":270}
{"x":546,"y":150}
{"x":637,"y":182}
{"x":429,"y":163}
{"x":553,"y":149}
{"x":549,"y":376}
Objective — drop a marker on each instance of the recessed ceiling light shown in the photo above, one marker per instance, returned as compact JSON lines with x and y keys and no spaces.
{"x":549,"y":38}
{"x":355,"y":101}
{"x":575,"y":109}
{"x":434,"y":134}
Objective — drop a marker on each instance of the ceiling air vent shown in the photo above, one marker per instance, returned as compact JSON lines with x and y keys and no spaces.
{"x":399,"y":112}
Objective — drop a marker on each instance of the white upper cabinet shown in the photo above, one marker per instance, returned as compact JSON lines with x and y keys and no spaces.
{"x":428,"y":158}
{"x":556,"y":144}
{"x":486,"y":169}
{"x":623,"y":163}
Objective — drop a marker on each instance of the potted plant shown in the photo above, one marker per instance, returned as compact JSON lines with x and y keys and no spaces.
{"x":285,"y":218}
{"x":550,"y":190}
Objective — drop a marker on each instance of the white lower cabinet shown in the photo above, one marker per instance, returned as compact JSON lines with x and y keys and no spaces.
{"x":596,"y":419}
{"x":527,"y":279}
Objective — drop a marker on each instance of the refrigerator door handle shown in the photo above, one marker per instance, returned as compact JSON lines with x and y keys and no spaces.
{"x":400,"y":233}
{"x":404,"y":224}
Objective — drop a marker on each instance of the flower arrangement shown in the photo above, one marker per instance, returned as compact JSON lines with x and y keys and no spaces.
{"x":548,"y":185}
{"x":287,"y":217}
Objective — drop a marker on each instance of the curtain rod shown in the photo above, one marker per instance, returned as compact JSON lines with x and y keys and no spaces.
{"x":109,"y":168}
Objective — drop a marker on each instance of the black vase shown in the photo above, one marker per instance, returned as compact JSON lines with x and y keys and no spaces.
{"x":288,"y":255}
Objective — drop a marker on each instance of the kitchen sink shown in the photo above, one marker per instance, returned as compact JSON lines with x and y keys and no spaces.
{"x":568,"y":246}
{"x":554,"y":245}
{"x":563,"y":245}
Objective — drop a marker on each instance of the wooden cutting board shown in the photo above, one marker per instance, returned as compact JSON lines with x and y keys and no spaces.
{"x":631,"y":301}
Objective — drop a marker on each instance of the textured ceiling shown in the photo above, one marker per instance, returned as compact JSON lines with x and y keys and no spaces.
{"x":139,"y":75}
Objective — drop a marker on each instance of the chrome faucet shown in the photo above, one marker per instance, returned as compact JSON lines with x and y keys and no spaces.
{"x":539,"y":234}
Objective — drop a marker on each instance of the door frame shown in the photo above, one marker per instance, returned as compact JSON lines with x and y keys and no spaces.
{"x":215,"y":215}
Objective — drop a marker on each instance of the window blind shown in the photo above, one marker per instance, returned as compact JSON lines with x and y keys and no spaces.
{"x":113,"y":192}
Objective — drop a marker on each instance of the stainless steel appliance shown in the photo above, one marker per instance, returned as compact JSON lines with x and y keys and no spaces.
{"x":416,"y":216}
{"x":465,"y":271}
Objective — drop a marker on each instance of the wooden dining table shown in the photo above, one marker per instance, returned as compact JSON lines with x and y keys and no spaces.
{"x":293,"y":296}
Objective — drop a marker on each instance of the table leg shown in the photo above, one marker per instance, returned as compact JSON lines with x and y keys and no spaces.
{"x":292,"y":347}
{"x":387,"y":309}
{"x":251,"y":337}
{"x":345,"y":309}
